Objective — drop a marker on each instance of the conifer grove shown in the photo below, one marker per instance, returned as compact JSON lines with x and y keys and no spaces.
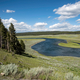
{"x":9,"y":41}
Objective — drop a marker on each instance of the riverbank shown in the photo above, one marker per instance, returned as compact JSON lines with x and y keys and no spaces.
{"x":73,"y":40}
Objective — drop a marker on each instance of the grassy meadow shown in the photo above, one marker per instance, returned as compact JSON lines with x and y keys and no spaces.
{"x":37,"y":66}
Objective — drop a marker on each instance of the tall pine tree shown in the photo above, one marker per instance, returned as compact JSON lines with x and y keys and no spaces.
{"x":22,"y":45}
{"x":0,"y":31}
{"x":3,"y":35}
{"x":12,"y":38}
{"x":15,"y":45}
{"x":8,"y":41}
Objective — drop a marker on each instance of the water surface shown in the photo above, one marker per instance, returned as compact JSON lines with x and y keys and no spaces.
{"x":50,"y":47}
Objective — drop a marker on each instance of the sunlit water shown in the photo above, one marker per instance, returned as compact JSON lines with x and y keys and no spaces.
{"x":50,"y":47}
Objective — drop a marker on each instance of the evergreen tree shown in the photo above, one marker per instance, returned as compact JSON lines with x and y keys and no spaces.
{"x":12,"y":37}
{"x":22,"y":45}
{"x":18,"y":49}
{"x":8,"y":41}
{"x":15,"y":46}
{"x":0,"y":31}
{"x":4,"y":37}
{"x":3,"y":32}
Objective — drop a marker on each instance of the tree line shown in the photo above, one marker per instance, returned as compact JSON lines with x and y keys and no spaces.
{"x":48,"y":33}
{"x":9,"y":41}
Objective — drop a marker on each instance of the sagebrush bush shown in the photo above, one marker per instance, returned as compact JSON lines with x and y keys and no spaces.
{"x":25,"y":71}
{"x":69,"y":76}
{"x":76,"y":78}
{"x":9,"y":69}
{"x":37,"y":71}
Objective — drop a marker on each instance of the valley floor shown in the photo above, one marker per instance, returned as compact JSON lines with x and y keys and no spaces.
{"x":56,"y":68}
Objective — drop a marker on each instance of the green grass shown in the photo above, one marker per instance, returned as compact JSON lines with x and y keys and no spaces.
{"x":70,"y":44}
{"x":72,"y":39}
{"x":22,"y":61}
{"x":67,"y":63}
{"x":60,"y":64}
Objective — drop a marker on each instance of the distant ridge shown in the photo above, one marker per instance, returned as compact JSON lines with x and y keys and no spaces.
{"x":48,"y":33}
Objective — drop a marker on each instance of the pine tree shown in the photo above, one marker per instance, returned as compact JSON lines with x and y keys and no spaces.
{"x":18,"y":49}
{"x":15,"y":46}
{"x":12,"y":38}
{"x":6,"y":31}
{"x":0,"y":31}
{"x":4,"y":37}
{"x":22,"y":45}
{"x":8,"y":41}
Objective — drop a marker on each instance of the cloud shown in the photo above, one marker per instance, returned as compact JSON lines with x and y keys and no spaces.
{"x":20,"y":27}
{"x":64,"y":27}
{"x":23,"y":27}
{"x":10,"y":11}
{"x":40,"y":29}
{"x":49,"y":17}
{"x":54,"y":10}
{"x":40,"y":26}
{"x":68,"y":11}
{"x":78,"y":20}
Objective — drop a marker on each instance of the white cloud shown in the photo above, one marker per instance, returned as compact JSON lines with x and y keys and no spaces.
{"x":78,"y":20}
{"x":23,"y":27}
{"x":9,"y":11}
{"x":40,"y":29}
{"x":64,"y":27}
{"x":20,"y":27}
{"x":49,"y":17}
{"x":40,"y":26}
{"x":68,"y":11}
{"x":54,"y":10}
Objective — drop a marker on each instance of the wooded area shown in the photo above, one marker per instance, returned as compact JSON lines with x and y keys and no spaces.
{"x":48,"y":33}
{"x":9,"y":41}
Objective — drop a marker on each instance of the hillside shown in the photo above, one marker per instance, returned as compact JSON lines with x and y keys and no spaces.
{"x":56,"y":68}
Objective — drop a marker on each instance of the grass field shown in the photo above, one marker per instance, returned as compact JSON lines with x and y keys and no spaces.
{"x":62,"y":67}
{"x":73,"y":40}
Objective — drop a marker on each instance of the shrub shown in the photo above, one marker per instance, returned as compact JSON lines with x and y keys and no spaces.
{"x":25,"y":71}
{"x":9,"y":69}
{"x":69,"y":76}
{"x":76,"y":78}
{"x":36,"y":72}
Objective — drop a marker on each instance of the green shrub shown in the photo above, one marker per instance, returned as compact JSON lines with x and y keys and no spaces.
{"x":9,"y":69}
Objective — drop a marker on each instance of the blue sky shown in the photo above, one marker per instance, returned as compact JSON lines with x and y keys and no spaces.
{"x":41,"y":15}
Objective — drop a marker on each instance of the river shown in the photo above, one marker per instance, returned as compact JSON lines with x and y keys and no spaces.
{"x":50,"y":47}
